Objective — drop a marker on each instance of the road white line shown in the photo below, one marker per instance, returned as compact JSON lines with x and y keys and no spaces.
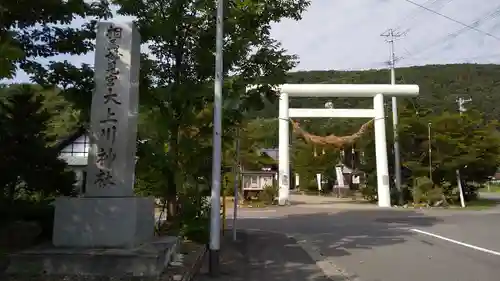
{"x":477,"y":248}
{"x":253,"y":211}
{"x":251,"y":218}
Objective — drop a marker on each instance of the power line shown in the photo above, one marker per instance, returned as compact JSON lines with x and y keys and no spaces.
{"x":429,"y":3}
{"x":477,"y":22}
{"x":453,"y":35}
{"x":412,"y":15}
{"x":454,"y":20}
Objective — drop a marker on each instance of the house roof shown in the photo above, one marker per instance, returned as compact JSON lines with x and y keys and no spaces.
{"x":70,"y":138}
{"x":271,"y":152}
{"x":258,"y":172}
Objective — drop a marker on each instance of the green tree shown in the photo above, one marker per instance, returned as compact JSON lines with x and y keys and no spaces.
{"x":33,"y":32}
{"x":458,"y":142}
{"x":64,"y":118}
{"x":181,"y":39}
{"x":30,"y":168}
{"x":30,"y":30}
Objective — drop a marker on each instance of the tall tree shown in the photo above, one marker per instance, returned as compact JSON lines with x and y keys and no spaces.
{"x":467,"y":143}
{"x":181,"y":41}
{"x":30,"y":167}
{"x":64,"y":117}
{"x":33,"y":32}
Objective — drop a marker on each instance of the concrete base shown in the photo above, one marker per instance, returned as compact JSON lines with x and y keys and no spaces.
{"x":147,"y":261}
{"x":89,"y":222}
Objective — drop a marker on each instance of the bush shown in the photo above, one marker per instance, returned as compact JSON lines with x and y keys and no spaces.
{"x":194,"y":215}
{"x":268,"y":195}
{"x":39,"y":212}
{"x":424,"y":191}
{"x":369,"y":193}
{"x":228,"y":184}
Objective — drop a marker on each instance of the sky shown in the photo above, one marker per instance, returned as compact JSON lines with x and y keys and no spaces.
{"x":346,"y":34}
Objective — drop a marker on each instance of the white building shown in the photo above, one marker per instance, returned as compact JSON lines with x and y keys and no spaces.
{"x":75,"y":150}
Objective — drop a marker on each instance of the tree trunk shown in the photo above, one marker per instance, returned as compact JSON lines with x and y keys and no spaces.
{"x":171,"y":197}
{"x":171,"y":194}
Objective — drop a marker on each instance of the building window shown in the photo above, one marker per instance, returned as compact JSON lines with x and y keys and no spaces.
{"x":253,"y":180}
{"x":79,"y":148}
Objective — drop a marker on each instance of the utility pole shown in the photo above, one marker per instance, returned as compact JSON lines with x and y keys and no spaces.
{"x":461,"y":108}
{"x":391,"y":36}
{"x":430,"y":149}
{"x":461,"y":104}
{"x":215,"y":221}
{"x":237,"y":171}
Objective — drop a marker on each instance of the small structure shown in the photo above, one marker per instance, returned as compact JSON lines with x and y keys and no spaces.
{"x":253,"y":182}
{"x":74,"y":150}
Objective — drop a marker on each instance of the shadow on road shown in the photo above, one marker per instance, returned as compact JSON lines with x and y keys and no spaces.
{"x":336,"y":234}
{"x":265,"y":253}
{"x":264,"y":256}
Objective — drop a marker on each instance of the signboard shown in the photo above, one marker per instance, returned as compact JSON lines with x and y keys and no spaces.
{"x":340,"y":177}
{"x":356,"y":180}
{"x":318,"y":181}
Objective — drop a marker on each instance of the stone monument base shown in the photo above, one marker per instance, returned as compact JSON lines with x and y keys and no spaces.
{"x":103,"y":222}
{"x":144,"y":262}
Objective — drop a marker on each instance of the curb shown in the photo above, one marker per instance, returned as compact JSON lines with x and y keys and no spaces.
{"x":329,"y":268}
{"x":195,"y":267}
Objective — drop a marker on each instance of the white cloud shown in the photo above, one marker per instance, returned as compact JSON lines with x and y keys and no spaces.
{"x":345,"y":34}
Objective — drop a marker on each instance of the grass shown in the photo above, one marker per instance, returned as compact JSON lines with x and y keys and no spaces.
{"x":493,"y":188}
{"x":476,"y":205}
{"x":254,"y":203}
{"x":481,"y":204}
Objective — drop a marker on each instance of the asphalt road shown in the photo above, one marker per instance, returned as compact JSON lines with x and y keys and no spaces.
{"x":490,"y":195}
{"x":372,"y":244}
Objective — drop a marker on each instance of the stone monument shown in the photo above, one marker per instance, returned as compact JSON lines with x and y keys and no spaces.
{"x":109,"y":215}
{"x":108,"y":231}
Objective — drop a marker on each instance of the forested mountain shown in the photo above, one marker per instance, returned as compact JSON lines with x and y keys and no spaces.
{"x":440,"y":86}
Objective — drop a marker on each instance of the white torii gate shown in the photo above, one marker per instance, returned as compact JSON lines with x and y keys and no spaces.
{"x":377,"y":91}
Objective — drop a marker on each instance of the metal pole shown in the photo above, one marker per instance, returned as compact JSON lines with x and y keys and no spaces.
{"x":460,"y":189}
{"x":430,"y":150}
{"x":236,"y":184}
{"x":461,"y":108}
{"x":214,"y":245}
{"x":395,"y":121}
{"x":395,"y":117}
{"x":283,"y":151}
{"x":397,"y":157}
